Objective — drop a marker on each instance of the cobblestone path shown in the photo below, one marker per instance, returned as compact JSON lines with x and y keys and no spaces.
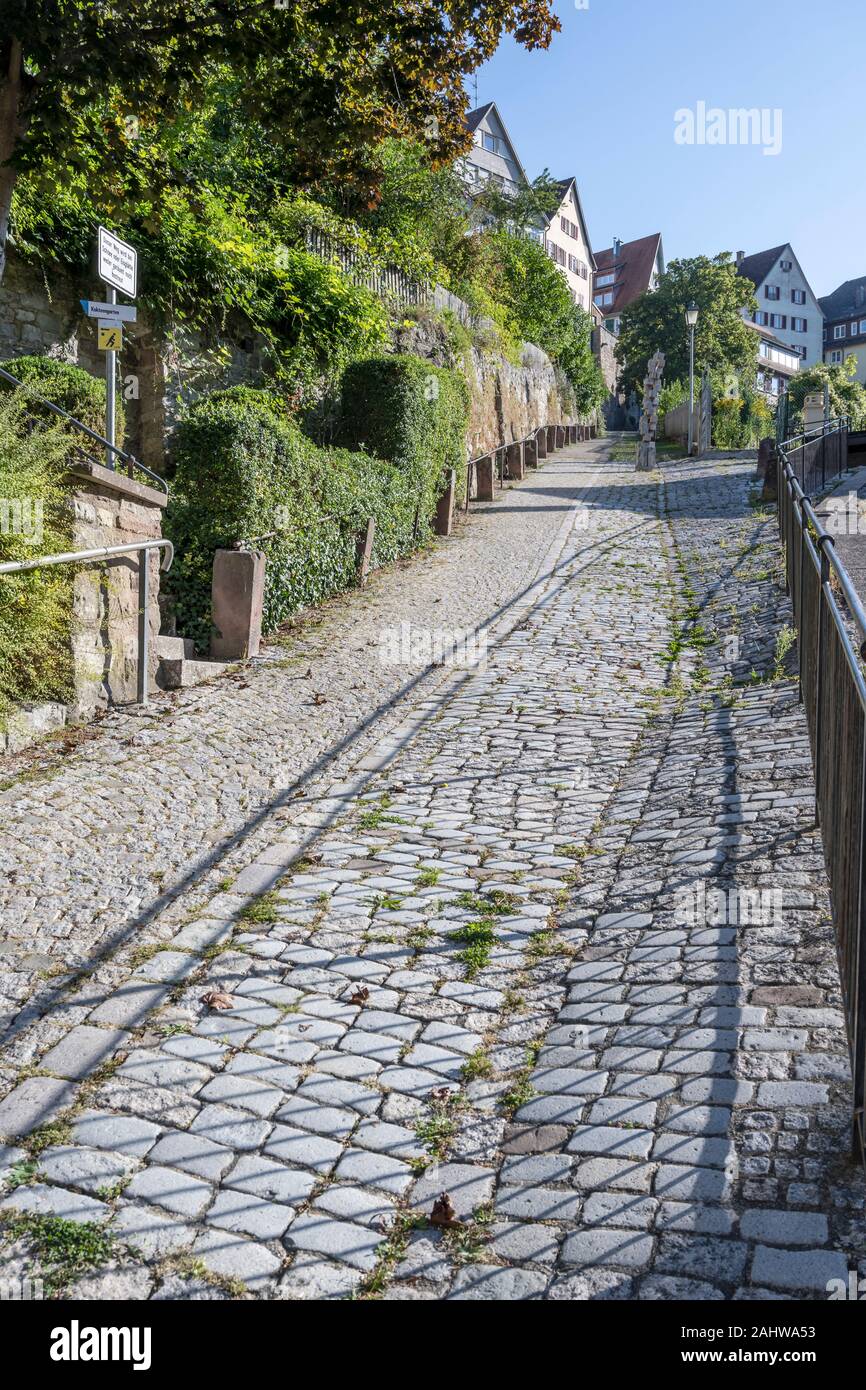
{"x":553,"y":939}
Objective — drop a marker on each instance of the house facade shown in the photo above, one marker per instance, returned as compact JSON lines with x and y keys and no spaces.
{"x":493,"y":158}
{"x":778,"y":362}
{"x":845,"y":326}
{"x":624,"y":271}
{"x":787,"y":308}
{"x":566,"y":241}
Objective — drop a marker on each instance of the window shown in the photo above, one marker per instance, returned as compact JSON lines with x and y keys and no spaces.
{"x":800,"y":350}
{"x":489,"y":142}
{"x":854,"y":330}
{"x":799,"y":325}
{"x":836,"y":356}
{"x":839,"y":330}
{"x":771,"y":292}
{"x":603,"y":299}
{"x":785,"y":265}
{"x":863,"y":325}
{"x":583,"y":270}
{"x":604,"y":280}
{"x":798,"y":296}
{"x":762,"y":318}
{"x":570,"y":228}
{"x":778,"y":320}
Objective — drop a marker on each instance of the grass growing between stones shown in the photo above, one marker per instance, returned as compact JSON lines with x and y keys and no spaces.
{"x":479,"y":938}
{"x":262,"y":910}
{"x":65,"y":1249}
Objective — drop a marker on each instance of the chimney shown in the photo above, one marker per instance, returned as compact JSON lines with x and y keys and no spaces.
{"x":616,"y":245}
{"x":741,"y":256}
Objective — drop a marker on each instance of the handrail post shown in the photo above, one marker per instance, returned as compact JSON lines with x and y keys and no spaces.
{"x":143,"y":626}
{"x":824,"y":578}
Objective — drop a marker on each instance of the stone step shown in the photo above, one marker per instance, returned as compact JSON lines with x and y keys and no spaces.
{"x":178,"y":673}
{"x":174,"y":648}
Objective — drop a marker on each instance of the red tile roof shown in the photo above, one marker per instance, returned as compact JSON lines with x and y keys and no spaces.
{"x":633,"y":268}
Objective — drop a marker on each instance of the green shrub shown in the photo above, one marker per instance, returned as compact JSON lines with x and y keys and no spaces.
{"x":243,"y":469}
{"x":413,"y":414}
{"x":73,"y":389}
{"x":36,"y":607}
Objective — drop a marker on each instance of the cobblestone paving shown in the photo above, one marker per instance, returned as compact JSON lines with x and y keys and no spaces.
{"x":525,"y":962}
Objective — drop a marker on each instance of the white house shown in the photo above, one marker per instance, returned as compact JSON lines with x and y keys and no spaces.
{"x":786,"y":304}
{"x":566,"y":240}
{"x":845,"y":326}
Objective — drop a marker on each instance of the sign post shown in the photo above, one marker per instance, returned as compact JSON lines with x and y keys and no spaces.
{"x":118,"y":269}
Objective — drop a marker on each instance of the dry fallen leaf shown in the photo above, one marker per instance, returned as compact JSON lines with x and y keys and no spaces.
{"x":360,"y":996}
{"x":443,"y":1213}
{"x":218,"y":999}
{"x":319,"y":698}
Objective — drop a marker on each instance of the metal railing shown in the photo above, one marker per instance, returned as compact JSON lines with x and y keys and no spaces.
{"x":819,"y":454}
{"x":133,"y":464}
{"x":833,"y":691}
{"x":108,"y":552}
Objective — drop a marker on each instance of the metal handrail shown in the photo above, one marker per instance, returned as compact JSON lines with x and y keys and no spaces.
{"x":838,"y":422}
{"x":107,"y":552}
{"x":129,"y":459}
{"x":832,"y":689}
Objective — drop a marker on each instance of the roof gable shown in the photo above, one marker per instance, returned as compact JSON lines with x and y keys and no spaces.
{"x":632,"y":268}
{"x":843,"y":302}
{"x":568,"y":189}
{"x":488,"y":117}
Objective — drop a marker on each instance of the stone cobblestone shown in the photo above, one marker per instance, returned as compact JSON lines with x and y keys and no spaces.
{"x":492,"y":972}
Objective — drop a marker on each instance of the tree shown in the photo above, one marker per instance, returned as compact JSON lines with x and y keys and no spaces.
{"x":847,"y":395}
{"x":329,"y":80}
{"x":723,"y":341}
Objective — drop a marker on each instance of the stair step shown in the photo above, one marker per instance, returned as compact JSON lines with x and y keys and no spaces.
{"x":178,"y":673}
{"x":174,"y":648}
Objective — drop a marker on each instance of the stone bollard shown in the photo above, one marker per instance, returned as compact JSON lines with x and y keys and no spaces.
{"x":765,"y":450}
{"x":514,"y":462}
{"x":530,"y":452}
{"x":364,"y":551}
{"x":540,"y":445}
{"x":484,"y":479}
{"x":445,"y":508}
{"x":551,"y":438}
{"x":237,"y":594}
{"x":560,"y":436}
{"x":572,"y":434}
{"x":770,"y":489}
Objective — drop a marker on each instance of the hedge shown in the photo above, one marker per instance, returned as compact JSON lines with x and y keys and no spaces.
{"x":72,"y":388}
{"x":243,"y":468}
{"x":411,"y":413}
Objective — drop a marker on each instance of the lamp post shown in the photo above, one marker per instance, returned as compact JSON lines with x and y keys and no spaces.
{"x":691,"y":320}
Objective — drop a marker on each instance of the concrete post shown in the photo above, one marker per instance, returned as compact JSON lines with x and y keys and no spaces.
{"x":541,"y":444}
{"x":484,"y":478}
{"x":530,"y":452}
{"x":364,"y":550}
{"x":237,"y":595}
{"x":445,"y":508}
{"x":514,"y":460}
{"x":560,"y":437}
{"x":551,"y":438}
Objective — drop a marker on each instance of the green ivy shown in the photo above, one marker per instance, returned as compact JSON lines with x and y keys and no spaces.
{"x":243,"y":469}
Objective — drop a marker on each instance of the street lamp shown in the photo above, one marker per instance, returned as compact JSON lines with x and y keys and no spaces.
{"x":691,"y":320}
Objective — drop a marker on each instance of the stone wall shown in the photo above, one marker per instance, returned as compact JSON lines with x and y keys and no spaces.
{"x":40,"y":313}
{"x":507,"y":400}
{"x":111,"y":509}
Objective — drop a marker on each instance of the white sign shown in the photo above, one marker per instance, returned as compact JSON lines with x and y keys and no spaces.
{"x":118,"y":263}
{"x":99,"y":309}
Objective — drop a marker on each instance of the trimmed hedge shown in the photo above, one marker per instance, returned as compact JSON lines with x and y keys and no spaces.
{"x":73,"y":389}
{"x":411,"y":413}
{"x":243,"y":468}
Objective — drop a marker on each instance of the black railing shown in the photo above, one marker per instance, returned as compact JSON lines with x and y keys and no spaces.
{"x":132,"y":464}
{"x":819,"y":455}
{"x":831,"y":633}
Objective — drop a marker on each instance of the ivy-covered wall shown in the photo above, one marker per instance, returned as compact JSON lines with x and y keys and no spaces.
{"x":244,"y":469}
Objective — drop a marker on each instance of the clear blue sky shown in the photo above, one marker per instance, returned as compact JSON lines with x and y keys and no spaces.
{"x":600,"y":103}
